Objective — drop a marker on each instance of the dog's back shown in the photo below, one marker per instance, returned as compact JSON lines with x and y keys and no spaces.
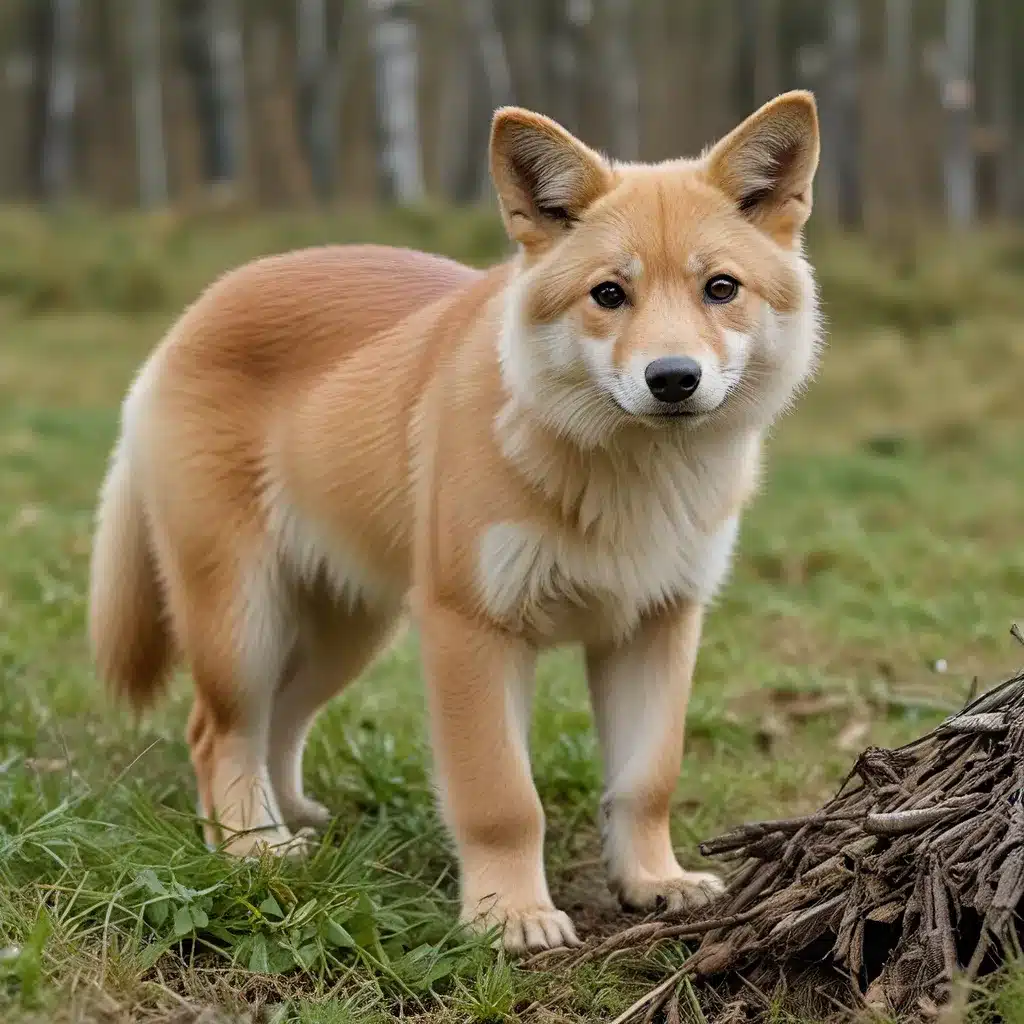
{"x":202,"y":408}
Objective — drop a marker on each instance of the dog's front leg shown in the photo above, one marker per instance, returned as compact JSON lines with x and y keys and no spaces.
{"x":480,"y":682}
{"x":640,"y":690}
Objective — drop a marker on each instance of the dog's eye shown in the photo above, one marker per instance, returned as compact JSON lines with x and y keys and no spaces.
{"x":721,"y":288}
{"x":608,"y":295}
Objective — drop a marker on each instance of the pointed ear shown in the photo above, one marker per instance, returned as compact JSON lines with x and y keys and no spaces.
{"x":766,"y":166}
{"x":544,"y":176}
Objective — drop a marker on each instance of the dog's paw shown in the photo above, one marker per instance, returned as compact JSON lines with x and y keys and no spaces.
{"x":689,"y":890}
{"x":527,"y":929}
{"x":306,"y":813}
{"x":278,"y":842}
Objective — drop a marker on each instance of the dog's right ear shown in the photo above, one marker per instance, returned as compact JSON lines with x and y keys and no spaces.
{"x":544,"y":176}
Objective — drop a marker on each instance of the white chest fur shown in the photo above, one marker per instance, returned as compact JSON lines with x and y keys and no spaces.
{"x":636,"y":543}
{"x":538,"y":581}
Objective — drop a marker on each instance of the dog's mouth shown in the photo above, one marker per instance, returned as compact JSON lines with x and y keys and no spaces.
{"x":661,"y":413}
{"x":659,"y":417}
{"x":678,"y":414}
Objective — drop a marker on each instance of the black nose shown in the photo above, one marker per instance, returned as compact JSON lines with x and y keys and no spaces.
{"x":672,"y":378}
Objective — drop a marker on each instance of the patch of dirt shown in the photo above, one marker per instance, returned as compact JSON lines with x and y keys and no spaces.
{"x":581,"y":890}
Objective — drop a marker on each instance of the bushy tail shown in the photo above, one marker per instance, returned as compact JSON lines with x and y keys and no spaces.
{"x":128,"y":629}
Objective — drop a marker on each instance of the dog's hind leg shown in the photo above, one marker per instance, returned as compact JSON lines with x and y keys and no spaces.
{"x":337,"y":643}
{"x":240,"y":652}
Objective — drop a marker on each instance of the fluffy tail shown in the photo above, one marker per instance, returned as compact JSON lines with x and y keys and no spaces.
{"x":128,"y":628}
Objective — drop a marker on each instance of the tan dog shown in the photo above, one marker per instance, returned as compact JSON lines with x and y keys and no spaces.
{"x":553,"y":450}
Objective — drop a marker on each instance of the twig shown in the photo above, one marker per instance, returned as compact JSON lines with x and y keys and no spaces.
{"x":932,"y":828}
{"x":653,"y":994}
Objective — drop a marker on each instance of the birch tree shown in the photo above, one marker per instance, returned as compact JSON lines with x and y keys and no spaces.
{"x":900,"y":198}
{"x":953,"y":65}
{"x":570,"y":19}
{"x":759,"y":64}
{"x":842,"y":117}
{"x":1001,"y":88}
{"x":899,"y":25}
{"x":224,"y":38}
{"x":623,"y":84}
{"x":319,"y":71}
{"x":148,"y":102}
{"x":758,"y":60}
{"x":492,"y":59}
{"x":456,"y":112}
{"x":484,"y":27}
{"x":477,"y":80}
{"x":211,"y":42}
{"x":393,"y":41}
{"x":958,"y":101}
{"x":62,"y":89}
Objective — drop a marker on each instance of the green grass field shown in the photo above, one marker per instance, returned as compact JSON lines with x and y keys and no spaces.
{"x":888,"y":538}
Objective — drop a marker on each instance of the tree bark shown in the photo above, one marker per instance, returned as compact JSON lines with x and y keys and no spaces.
{"x":497,"y":77}
{"x":455,"y":114}
{"x":148,"y":102}
{"x":958,"y":101}
{"x":898,"y":67}
{"x":767,"y":70}
{"x":899,"y":16}
{"x":842,"y":116}
{"x":319,"y":91}
{"x":393,"y":40}
{"x":1001,"y":71}
{"x":58,"y":139}
{"x":491,"y":46}
{"x":569,"y":22}
{"x":211,"y":43}
{"x":620,"y":73}
{"x":224,"y":38}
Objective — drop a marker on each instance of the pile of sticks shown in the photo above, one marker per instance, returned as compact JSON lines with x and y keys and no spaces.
{"x":910,"y":878}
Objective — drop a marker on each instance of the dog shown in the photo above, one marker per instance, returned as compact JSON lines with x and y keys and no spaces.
{"x":554,"y":450}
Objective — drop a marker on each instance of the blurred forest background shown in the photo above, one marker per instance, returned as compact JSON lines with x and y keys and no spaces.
{"x":282,"y":102}
{"x":149,"y":145}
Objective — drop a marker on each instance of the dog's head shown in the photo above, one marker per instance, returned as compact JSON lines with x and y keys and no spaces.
{"x":669,"y":296}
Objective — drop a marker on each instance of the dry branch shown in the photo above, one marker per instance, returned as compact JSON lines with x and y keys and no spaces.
{"x":910,"y":878}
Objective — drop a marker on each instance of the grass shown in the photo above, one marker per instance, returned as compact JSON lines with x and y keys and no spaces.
{"x":886,"y":540}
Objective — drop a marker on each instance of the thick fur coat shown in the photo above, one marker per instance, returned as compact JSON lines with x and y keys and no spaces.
{"x":555,"y":450}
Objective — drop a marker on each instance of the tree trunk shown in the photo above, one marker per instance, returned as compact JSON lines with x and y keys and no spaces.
{"x":212,"y":52}
{"x":767,"y":71}
{"x":526,"y":29}
{"x":280,"y":170}
{"x":899,"y":24}
{"x":394,"y":45}
{"x":39,"y":44}
{"x":841,"y":142}
{"x":224,"y":38}
{"x":958,"y":101}
{"x":497,"y":78}
{"x":319,"y":90}
{"x":897,"y":177}
{"x":484,"y":27}
{"x":1001,"y":71}
{"x":455,"y":115}
{"x":196,"y":59}
{"x":620,"y":73}
{"x":58,"y":139}
{"x":570,"y":20}
{"x":148,"y":102}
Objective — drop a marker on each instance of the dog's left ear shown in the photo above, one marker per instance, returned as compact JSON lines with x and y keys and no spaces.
{"x":544,"y":176}
{"x":766,"y":165}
